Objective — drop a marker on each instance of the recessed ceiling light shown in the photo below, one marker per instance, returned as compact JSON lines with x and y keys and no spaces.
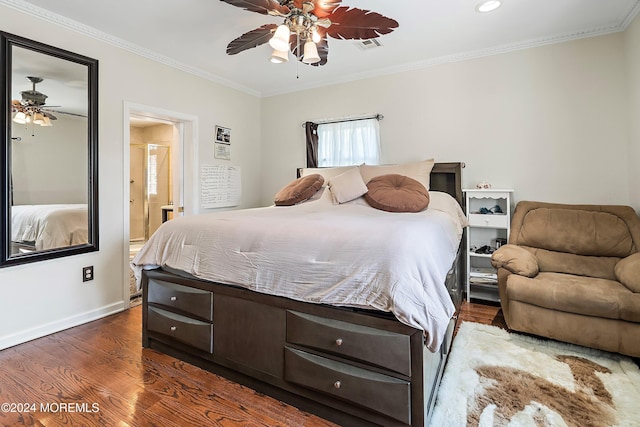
{"x":488,"y":6}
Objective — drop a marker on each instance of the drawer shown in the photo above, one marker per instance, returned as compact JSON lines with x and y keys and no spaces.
{"x":488,"y":220}
{"x":189,"y":300}
{"x":189,"y":331}
{"x":388,"y":350}
{"x":380,"y":393}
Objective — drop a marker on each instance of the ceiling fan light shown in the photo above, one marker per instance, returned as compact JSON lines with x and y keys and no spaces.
{"x":38,"y":118}
{"x":20,"y":118}
{"x":280,"y":40}
{"x":310,"y":53}
{"x":488,"y":6}
{"x":315,"y":35}
{"x":279,"y":56}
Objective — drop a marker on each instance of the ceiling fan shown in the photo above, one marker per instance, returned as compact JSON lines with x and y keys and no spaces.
{"x":30,"y":108}
{"x":308,"y":23}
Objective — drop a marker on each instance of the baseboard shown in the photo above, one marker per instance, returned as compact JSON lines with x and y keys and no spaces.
{"x":60,"y":325}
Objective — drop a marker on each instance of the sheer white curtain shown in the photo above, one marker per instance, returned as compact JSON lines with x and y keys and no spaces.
{"x":349,"y":143}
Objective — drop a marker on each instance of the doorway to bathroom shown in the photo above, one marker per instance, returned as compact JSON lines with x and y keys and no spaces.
{"x":151,"y":144}
{"x":160,"y":151}
{"x":150,"y":179}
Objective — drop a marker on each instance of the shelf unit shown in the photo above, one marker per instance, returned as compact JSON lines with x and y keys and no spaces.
{"x":485,"y":229}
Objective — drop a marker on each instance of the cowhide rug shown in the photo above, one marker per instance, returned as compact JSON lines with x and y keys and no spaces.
{"x":496,"y":378}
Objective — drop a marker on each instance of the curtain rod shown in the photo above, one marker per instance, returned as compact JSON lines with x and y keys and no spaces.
{"x":325,"y":122}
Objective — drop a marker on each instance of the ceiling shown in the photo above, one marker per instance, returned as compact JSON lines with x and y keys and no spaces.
{"x":193,"y":35}
{"x":64,"y":82}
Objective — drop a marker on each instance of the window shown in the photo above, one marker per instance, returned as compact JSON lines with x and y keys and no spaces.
{"x":349,"y":143}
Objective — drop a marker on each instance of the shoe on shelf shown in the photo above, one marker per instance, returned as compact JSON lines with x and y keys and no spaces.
{"x":486,"y":249}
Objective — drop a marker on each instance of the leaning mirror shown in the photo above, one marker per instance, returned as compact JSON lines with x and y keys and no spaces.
{"x":49,"y":191}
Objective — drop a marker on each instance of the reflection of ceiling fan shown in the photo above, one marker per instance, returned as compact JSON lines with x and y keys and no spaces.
{"x":308,"y":23}
{"x":30,"y":108}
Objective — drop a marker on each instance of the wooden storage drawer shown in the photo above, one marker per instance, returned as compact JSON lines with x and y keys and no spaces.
{"x":380,"y":393}
{"x":388,"y":350}
{"x":189,"y":331}
{"x":189,"y":300}
{"x":488,"y":220}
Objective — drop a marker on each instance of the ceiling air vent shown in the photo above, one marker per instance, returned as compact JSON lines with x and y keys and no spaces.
{"x":368,"y":44}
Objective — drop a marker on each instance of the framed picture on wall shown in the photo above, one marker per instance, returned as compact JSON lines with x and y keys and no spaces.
{"x":223,"y":135}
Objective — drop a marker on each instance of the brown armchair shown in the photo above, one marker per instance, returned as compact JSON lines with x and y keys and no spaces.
{"x":572,"y":273}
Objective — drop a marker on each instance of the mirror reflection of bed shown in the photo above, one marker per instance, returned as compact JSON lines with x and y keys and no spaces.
{"x":49,"y":186}
{"x":47,"y":226}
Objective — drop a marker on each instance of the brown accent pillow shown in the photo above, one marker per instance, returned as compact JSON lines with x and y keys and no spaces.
{"x":299,"y":190}
{"x":397,"y":193}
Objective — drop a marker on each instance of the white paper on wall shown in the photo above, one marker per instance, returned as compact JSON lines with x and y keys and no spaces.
{"x":219,"y":186}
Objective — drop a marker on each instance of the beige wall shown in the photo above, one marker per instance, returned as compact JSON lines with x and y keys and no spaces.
{"x":550,"y":122}
{"x":632,"y":52}
{"x":50,"y":162}
{"x":47,"y":296}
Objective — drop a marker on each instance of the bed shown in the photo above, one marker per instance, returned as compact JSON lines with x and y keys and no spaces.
{"x":286,"y":301}
{"x":42,"y":227}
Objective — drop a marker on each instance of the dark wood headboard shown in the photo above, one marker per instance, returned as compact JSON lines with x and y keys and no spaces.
{"x":445,"y":177}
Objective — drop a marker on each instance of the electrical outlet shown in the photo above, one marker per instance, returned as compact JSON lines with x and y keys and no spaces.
{"x":87,"y":273}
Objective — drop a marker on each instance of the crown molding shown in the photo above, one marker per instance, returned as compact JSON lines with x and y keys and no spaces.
{"x":70,"y":24}
{"x":630,"y":15}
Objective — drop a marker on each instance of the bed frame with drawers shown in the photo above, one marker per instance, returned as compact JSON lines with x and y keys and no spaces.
{"x":351,"y":366}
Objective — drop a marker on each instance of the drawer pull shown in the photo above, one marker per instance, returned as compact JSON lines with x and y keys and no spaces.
{"x":173,"y":298}
{"x":339,"y":341}
{"x":173,"y":328}
{"x":337,"y":384}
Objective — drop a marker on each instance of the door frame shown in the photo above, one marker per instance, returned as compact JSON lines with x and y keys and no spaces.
{"x":186,"y":156}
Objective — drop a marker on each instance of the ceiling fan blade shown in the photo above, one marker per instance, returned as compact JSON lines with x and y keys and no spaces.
{"x":49,"y":113}
{"x":260,"y":6}
{"x":51,"y":116}
{"x":251,"y":39}
{"x":359,"y":24}
{"x":322,"y":8}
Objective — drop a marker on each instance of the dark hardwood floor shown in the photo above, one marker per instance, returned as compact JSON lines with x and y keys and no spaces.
{"x":485,"y":313}
{"x":98,"y":374}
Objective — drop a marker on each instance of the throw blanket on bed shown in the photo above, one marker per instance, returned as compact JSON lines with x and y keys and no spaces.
{"x":344,"y":255}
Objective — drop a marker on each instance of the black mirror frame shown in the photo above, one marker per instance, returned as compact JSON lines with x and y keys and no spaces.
{"x":7,"y":42}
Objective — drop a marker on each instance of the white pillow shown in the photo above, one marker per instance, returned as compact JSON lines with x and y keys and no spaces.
{"x":347,"y":186}
{"x":327,"y":173}
{"x":420,"y":171}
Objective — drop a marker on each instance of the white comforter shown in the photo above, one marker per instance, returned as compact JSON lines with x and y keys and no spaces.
{"x":50,"y":226}
{"x":346,"y":255}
